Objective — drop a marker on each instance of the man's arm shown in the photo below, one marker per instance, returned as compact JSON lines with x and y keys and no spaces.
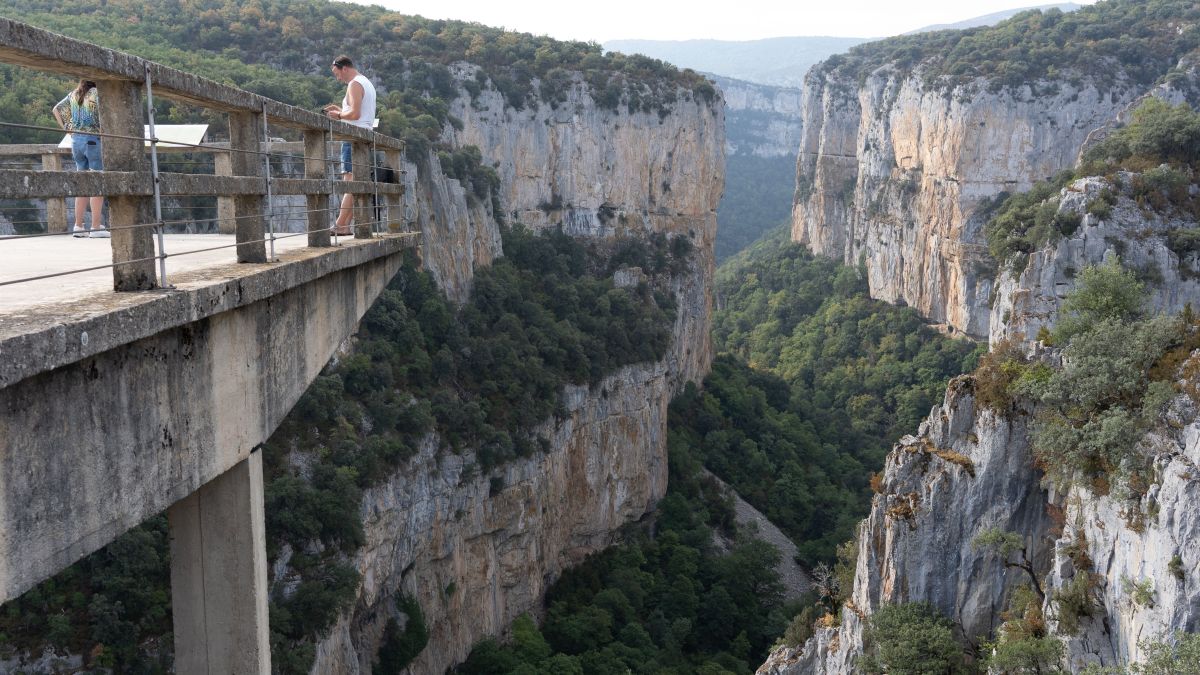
{"x":354,"y":96}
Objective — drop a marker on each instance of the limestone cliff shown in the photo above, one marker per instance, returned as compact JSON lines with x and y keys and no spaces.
{"x":601,"y":173}
{"x":477,"y":551}
{"x":893,"y":173}
{"x":970,"y":468}
{"x":761,"y":120}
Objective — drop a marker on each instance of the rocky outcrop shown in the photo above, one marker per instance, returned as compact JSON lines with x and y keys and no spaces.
{"x":476,"y":551}
{"x":1026,"y":300}
{"x":1145,"y":566}
{"x":893,"y":174}
{"x":457,"y":235}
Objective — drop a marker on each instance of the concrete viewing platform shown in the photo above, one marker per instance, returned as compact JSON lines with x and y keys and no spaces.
{"x":51,"y":322}
{"x":39,"y":256}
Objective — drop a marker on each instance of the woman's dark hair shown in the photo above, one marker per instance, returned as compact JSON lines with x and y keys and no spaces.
{"x":82,"y":90}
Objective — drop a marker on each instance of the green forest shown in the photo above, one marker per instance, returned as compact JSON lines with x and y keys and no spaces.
{"x":267,"y":47}
{"x":1117,"y":43}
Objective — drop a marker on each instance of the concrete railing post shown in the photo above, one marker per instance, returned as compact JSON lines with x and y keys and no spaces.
{"x":223,"y":166}
{"x":316,"y":167}
{"x":56,"y":207}
{"x":219,"y":575}
{"x":363,"y":171}
{"x":121,"y":114}
{"x":246,"y":135}
{"x":395,"y":203}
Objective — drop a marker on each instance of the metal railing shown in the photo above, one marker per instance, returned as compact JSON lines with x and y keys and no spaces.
{"x":135,"y":185}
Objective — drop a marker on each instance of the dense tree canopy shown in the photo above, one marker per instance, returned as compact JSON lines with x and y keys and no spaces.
{"x":1109,"y":43}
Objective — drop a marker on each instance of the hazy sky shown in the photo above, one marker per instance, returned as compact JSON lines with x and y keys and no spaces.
{"x":602,"y":20}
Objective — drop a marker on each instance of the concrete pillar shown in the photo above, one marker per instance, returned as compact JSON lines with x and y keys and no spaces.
{"x":121,"y":112}
{"x":56,"y":207}
{"x":395,"y":203}
{"x":223,"y":166}
{"x":245,"y":133}
{"x":316,"y":167}
{"x":219,"y":575}
{"x":363,"y":213}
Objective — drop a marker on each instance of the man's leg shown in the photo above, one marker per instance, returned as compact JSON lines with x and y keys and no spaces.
{"x":346,"y":212}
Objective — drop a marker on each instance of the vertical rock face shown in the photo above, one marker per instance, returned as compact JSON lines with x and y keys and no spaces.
{"x":761,"y":120}
{"x":600,"y":174}
{"x":478,"y":551}
{"x":892,"y":174}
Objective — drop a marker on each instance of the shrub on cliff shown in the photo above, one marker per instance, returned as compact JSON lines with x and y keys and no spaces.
{"x":1157,"y":133}
{"x":1107,"y":392}
{"x":911,"y":639}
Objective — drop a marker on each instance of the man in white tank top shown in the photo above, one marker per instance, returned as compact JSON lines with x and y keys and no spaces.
{"x":357,"y":108}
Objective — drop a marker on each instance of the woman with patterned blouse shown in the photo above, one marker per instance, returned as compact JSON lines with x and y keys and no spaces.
{"x":79,"y":114}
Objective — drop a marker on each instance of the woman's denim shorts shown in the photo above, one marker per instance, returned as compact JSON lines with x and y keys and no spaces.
{"x":85,"y":150}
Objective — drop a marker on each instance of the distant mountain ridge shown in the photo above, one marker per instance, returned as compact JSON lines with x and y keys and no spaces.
{"x":782,"y":61}
{"x":775,"y":61}
{"x":995,"y":17}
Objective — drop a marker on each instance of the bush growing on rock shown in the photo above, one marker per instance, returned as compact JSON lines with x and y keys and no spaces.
{"x":911,"y":639}
{"x":1107,"y":391}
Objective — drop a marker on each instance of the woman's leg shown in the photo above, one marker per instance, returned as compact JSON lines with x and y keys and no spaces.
{"x":81,"y":204}
{"x":97,"y":212}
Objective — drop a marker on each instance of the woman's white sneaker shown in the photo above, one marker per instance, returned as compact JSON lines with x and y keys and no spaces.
{"x":78,"y":231}
{"x":101,"y":233}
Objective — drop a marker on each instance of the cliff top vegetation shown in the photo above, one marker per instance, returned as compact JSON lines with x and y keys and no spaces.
{"x":282,"y":49}
{"x":1133,"y":40}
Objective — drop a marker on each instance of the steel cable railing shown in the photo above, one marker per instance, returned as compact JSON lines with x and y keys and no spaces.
{"x":269,"y":213}
{"x":164,"y":256}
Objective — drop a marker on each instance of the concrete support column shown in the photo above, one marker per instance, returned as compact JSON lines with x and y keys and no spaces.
{"x":121,"y":113}
{"x":219,"y":575}
{"x":395,"y":202}
{"x":245,"y":134}
{"x":56,"y":207}
{"x":363,"y":213}
{"x":316,"y":167}
{"x":223,"y":166}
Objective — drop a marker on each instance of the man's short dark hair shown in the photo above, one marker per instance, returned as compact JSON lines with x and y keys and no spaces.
{"x":343,"y":61}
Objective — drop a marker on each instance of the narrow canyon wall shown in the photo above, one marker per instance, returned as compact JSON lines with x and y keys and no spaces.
{"x":478,"y":551}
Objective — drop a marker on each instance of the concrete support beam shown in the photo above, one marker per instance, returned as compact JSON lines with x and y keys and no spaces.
{"x":132,"y":247}
{"x":245,"y":135}
{"x":56,"y":207}
{"x":316,"y":167}
{"x":114,"y":408}
{"x":364,"y":215}
{"x":219,"y":575}
{"x":222,"y":166}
